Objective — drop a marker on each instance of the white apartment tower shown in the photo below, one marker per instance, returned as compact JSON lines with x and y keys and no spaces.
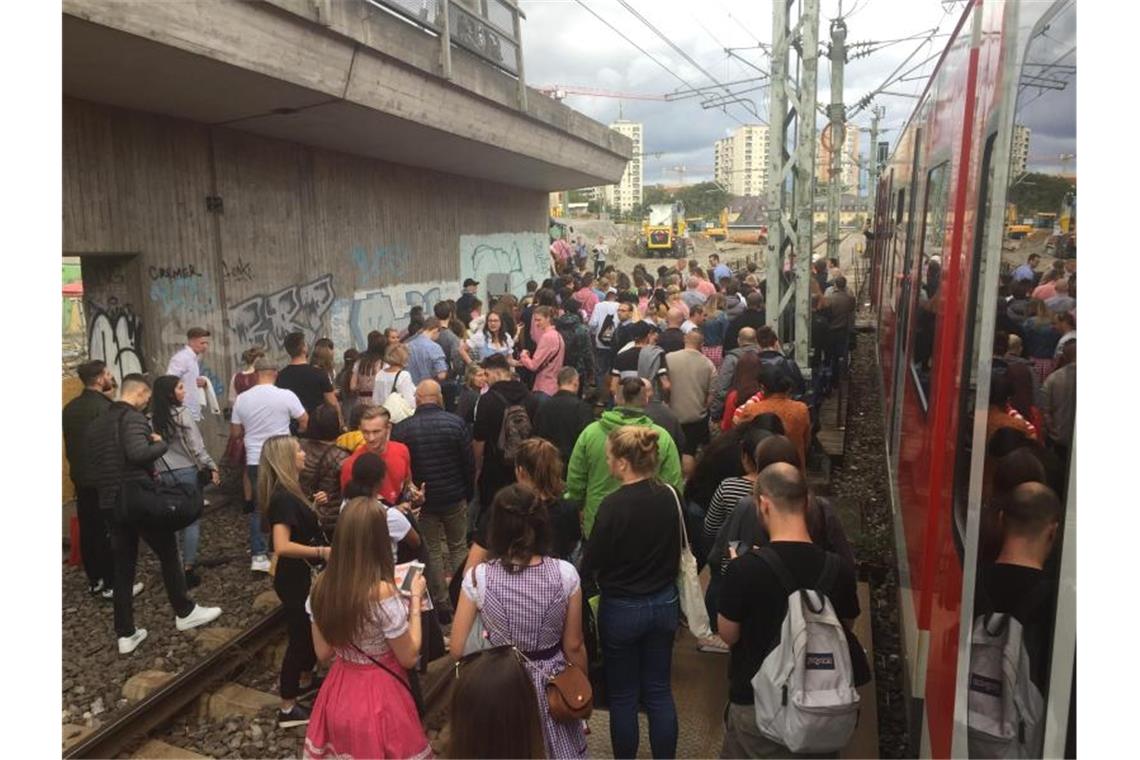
{"x":740,"y":161}
{"x":1019,"y":151}
{"x":627,"y":194}
{"x":849,"y":177}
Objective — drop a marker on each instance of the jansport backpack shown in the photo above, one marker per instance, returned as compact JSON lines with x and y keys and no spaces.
{"x":1005,"y":710}
{"x":515,"y":429}
{"x":805,"y":694}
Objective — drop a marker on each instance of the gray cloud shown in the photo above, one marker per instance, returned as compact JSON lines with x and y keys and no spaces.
{"x":564,"y":44}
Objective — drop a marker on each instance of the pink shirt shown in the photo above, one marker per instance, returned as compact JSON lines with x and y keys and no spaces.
{"x":706,"y":287}
{"x":1046,"y":291}
{"x":587,"y":299}
{"x":547,"y":360}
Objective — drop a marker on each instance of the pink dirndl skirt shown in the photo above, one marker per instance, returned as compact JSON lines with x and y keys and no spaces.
{"x":361,"y":712}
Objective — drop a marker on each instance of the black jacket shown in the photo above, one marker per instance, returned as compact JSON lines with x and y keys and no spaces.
{"x":440,"y":446}
{"x":78,"y":415}
{"x":120,"y":449}
{"x":489,"y":411}
{"x":560,"y":420}
{"x":750,"y":318}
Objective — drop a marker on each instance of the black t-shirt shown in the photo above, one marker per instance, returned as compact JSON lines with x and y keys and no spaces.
{"x":309,"y":383}
{"x":753,"y":596}
{"x":626,"y":362}
{"x":671,"y":340}
{"x":1013,"y":590}
{"x":489,"y":411}
{"x":635,"y":546}
{"x":292,"y":577}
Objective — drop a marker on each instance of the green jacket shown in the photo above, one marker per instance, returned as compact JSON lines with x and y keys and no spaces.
{"x":588,"y":478}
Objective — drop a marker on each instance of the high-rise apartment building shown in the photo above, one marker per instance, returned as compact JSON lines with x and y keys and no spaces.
{"x":849,"y":175}
{"x":1019,"y":150}
{"x":740,"y":161}
{"x":627,"y":194}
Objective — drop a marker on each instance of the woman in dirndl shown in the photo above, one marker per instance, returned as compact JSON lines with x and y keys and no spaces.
{"x":530,"y":600}
{"x":372,"y":634}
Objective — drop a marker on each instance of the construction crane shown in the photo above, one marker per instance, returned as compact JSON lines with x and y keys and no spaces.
{"x":561,"y":91}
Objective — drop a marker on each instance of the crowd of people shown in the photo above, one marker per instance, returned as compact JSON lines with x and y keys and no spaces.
{"x":518,"y":476}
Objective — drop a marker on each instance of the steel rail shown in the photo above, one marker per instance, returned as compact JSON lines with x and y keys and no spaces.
{"x":173,"y":697}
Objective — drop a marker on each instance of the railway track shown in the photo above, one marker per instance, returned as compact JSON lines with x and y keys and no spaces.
{"x":152,"y":713}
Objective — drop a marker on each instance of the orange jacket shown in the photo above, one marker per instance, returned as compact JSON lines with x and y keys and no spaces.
{"x":794,"y":415}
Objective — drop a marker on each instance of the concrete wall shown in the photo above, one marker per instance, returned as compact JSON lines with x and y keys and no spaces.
{"x":308,"y":239}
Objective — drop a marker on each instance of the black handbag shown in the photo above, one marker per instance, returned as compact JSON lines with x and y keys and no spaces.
{"x":150,"y":503}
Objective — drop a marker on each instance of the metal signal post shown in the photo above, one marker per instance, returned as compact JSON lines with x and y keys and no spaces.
{"x":790,"y":224}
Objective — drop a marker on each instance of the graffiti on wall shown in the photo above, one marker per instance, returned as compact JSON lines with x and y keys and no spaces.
{"x":181,"y":296}
{"x":391,"y":306}
{"x":265,"y":320}
{"x":521,"y":256}
{"x":381,"y":264}
{"x":238,"y":271}
{"x":115,"y":337}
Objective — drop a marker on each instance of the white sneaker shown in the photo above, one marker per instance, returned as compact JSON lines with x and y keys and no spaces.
{"x":713,"y":644}
{"x":259,"y":563}
{"x":198,"y":616}
{"x":109,"y":593}
{"x":128,"y":644}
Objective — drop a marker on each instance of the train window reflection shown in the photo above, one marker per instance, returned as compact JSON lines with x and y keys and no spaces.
{"x":928,"y":297}
{"x":1027,"y":450}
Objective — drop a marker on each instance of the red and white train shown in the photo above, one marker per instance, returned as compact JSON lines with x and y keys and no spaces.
{"x":1000,"y":102}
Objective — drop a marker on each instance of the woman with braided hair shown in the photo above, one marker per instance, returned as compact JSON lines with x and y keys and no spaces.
{"x":530,"y":600}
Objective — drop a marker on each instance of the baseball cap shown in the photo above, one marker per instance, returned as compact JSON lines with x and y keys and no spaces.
{"x":469,"y":282}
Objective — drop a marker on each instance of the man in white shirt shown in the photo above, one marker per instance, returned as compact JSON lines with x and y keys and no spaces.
{"x":601,"y":250}
{"x":260,"y":413}
{"x":598,"y":319}
{"x":184,"y":366}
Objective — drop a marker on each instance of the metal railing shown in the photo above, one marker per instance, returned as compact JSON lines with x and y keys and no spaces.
{"x":491,"y":30}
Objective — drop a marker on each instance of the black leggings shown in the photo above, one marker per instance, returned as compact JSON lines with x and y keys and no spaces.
{"x":299,"y":654}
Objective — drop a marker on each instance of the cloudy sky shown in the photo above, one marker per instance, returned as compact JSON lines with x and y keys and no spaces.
{"x":565,"y":44}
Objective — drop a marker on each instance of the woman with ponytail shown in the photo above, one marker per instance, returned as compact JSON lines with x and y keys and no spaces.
{"x":529,"y":600}
{"x":634,"y":554}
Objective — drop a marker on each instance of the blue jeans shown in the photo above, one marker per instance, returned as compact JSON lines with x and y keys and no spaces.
{"x":258,"y":541}
{"x":188,"y":536}
{"x":637,"y":643}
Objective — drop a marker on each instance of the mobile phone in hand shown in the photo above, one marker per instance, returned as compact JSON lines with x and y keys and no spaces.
{"x":734,"y":547}
{"x":414,"y":570}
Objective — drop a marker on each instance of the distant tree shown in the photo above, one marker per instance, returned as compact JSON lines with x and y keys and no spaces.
{"x":1038,"y":193}
{"x":704,"y":199}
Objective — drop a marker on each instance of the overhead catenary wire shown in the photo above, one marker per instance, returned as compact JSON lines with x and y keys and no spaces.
{"x":680,"y":51}
{"x":647,"y":54}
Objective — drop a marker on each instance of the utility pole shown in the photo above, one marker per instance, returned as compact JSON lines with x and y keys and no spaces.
{"x":790,"y":225}
{"x":836,"y":112}
{"x":873,"y":167}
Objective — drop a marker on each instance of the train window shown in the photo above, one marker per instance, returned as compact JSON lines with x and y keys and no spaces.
{"x":928,"y":298}
{"x":898,"y":240}
{"x":969,"y":381}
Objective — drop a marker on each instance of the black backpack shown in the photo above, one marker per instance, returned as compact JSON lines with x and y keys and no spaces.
{"x":606,"y":332}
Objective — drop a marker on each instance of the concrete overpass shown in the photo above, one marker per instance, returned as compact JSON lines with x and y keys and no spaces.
{"x":263,"y":167}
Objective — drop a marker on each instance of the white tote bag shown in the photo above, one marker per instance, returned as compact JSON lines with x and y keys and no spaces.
{"x":688,"y":583}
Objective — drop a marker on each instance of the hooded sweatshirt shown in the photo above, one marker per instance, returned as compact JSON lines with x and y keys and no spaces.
{"x":588,"y":479}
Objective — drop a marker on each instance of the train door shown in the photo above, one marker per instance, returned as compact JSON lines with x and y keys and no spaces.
{"x":902,"y":293}
{"x":1030,"y":151}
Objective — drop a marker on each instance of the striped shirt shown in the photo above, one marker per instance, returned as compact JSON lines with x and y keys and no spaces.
{"x":727,"y":495}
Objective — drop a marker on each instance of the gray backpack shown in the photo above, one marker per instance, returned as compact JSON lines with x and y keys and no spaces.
{"x":805,"y":689}
{"x":1005,"y":710}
